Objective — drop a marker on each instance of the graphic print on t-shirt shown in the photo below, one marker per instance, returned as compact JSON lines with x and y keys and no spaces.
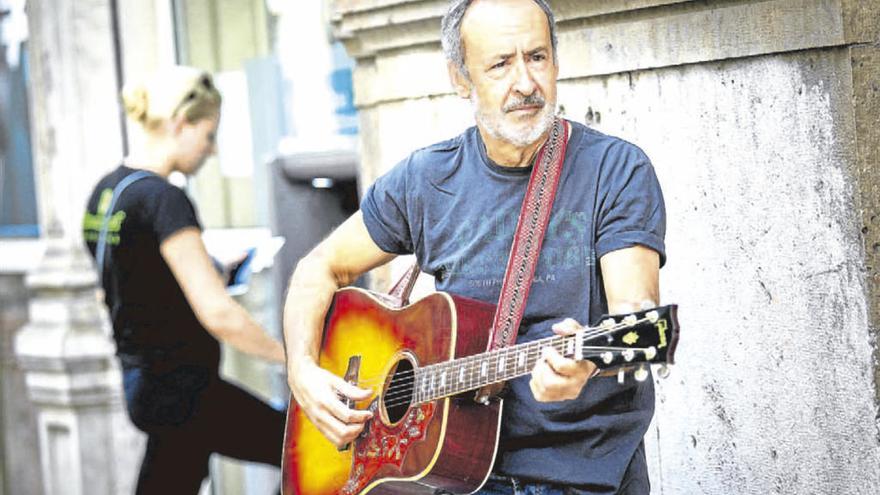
{"x":566,"y":248}
{"x":94,"y":222}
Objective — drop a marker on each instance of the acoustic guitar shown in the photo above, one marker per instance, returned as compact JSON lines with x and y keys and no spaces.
{"x":422,"y":361}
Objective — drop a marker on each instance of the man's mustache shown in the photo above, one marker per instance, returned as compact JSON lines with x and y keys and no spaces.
{"x":532,"y":100}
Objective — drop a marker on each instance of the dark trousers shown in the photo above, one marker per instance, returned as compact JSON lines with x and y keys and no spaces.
{"x":189,"y":413}
{"x":635,"y":482}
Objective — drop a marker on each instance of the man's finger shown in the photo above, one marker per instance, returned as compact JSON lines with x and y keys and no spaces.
{"x":350,"y":391}
{"x":338,"y":432}
{"x":339,"y":410}
{"x":567,"y":326}
{"x":557,"y":363}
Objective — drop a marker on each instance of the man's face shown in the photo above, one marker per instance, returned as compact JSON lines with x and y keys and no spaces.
{"x":508,"y":54}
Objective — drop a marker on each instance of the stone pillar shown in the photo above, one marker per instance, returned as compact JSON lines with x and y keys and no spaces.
{"x":86,"y":445}
{"x":18,"y":424}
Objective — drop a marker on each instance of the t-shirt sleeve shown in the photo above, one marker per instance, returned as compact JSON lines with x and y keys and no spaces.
{"x":386,"y":214}
{"x":633,"y":210}
{"x":172,"y":212}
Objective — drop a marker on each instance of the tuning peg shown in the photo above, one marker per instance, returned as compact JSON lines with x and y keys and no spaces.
{"x":641,"y":374}
{"x":652,"y":316}
{"x":650,"y":353}
{"x":607,"y":357}
{"x":630,"y":320}
{"x":663,"y":371}
{"x":629,"y":355}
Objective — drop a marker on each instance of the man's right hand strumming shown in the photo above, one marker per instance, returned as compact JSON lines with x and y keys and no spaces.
{"x":337,"y":262}
{"x":320,"y":394}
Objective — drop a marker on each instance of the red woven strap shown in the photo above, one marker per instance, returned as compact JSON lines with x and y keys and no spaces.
{"x":403,"y":288}
{"x":533,"y":219}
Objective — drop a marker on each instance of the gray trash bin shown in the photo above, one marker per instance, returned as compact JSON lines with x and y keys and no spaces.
{"x":312,"y":193}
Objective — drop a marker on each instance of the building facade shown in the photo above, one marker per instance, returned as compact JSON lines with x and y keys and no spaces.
{"x":761,"y":119}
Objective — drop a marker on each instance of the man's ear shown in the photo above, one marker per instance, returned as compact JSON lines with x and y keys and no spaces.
{"x":460,"y":83}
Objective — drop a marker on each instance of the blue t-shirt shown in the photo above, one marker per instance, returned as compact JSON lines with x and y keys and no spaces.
{"x":457,"y":211}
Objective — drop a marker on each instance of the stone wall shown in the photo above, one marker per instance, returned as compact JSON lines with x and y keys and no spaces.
{"x":761,"y":120}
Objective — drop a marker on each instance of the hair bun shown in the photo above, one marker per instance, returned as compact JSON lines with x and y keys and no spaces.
{"x":169,"y":92}
{"x":135,"y":101}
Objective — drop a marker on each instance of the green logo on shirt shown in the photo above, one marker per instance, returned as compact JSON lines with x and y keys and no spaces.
{"x":94,"y":222}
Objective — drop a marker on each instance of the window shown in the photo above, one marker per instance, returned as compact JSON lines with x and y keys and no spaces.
{"x":18,"y":203}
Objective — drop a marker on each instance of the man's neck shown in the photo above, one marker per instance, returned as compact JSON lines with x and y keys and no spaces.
{"x":509,"y":155}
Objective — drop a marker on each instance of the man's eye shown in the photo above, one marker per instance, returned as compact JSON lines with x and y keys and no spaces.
{"x":498,"y":65}
{"x":539,"y":57}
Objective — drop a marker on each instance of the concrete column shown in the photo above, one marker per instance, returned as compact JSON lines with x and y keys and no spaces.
{"x":86,"y":445}
{"x":18,"y":424}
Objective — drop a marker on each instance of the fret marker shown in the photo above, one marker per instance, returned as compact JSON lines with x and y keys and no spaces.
{"x":570,"y":347}
{"x":521,"y":361}
{"x":443,"y":380}
{"x":461,"y":375}
{"x":501,"y":364}
{"x":483,"y":369}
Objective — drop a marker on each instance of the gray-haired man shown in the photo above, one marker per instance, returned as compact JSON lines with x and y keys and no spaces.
{"x":454,"y":205}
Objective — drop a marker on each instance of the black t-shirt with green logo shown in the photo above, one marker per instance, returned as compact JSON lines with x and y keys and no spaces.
{"x":152,"y":321}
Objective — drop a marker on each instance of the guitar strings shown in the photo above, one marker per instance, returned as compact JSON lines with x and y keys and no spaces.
{"x":589,"y":333}
{"x":534,"y":346}
{"x":396,"y":401}
{"x":532,"y":349}
{"x":469,"y":371}
{"x":408,"y":387}
{"x":405,"y":388}
{"x":391,"y":400}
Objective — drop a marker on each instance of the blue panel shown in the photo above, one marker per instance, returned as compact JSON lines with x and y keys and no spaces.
{"x":18,"y":203}
{"x":19,"y":231}
{"x":341,"y":83}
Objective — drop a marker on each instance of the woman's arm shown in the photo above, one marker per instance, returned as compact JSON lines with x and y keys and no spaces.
{"x":222,"y":316}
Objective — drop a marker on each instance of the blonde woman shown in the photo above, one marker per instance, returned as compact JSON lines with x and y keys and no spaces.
{"x":168,"y":305}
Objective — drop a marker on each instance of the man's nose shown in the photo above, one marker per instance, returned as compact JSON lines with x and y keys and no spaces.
{"x":523,"y":83}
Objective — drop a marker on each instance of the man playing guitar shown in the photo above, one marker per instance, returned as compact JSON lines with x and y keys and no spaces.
{"x":455,"y":205}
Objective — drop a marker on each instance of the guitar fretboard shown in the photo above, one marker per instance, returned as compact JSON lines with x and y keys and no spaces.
{"x":473,"y":372}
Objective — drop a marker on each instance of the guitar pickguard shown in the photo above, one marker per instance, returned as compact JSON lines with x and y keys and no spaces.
{"x":382,"y":446}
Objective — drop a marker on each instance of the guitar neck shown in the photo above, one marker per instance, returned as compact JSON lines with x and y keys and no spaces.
{"x":645,"y":337}
{"x":470,"y":373}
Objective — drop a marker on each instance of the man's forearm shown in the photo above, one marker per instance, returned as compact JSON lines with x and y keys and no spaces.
{"x":311,"y":291}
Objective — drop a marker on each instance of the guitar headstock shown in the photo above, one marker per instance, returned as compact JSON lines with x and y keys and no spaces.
{"x":648,"y":336}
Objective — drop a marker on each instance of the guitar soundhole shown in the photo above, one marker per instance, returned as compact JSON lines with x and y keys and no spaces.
{"x":399,"y":391}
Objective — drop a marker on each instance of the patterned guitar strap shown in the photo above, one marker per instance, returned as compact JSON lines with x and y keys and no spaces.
{"x":531,"y":226}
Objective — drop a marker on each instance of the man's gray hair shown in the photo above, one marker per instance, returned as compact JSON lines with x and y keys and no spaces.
{"x":450,"y":32}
